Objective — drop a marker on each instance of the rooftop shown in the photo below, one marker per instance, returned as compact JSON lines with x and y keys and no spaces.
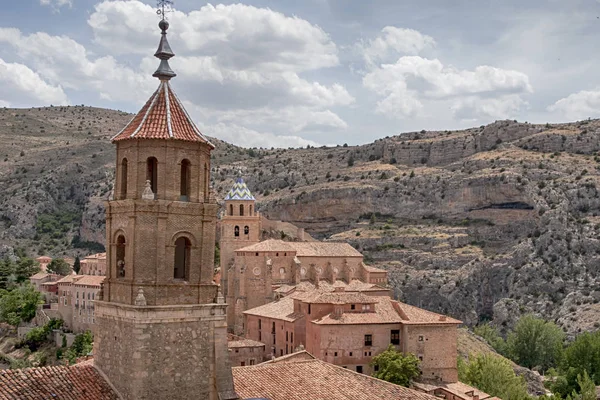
{"x":80,"y":381}
{"x":316,"y":296}
{"x":305,"y":249}
{"x":239,"y":343}
{"x":315,"y":380}
{"x":282,"y":309}
{"x":239,"y":191}
{"x":89,"y":280}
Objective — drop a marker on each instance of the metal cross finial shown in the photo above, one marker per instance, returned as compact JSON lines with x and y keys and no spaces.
{"x":164,"y":6}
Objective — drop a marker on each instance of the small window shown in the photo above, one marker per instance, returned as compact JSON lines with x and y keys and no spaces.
{"x":121,"y":256}
{"x":359,"y":369}
{"x":376,"y":367}
{"x":281,"y":352}
{"x":152,"y":173}
{"x":236,"y":231}
{"x":259,"y":324}
{"x":420,"y":358}
{"x":259,"y":336}
{"x":185,"y":181}
{"x":352,"y":306}
{"x":256,"y":254}
{"x":250,"y":210}
{"x":309,"y":308}
{"x":368,"y":340}
{"x":252,"y":362}
{"x":242,"y":364}
{"x":292,"y":337}
{"x":335,"y":354}
{"x":420,"y":338}
{"x":242,"y":210}
{"x":395,"y":337}
{"x":231,"y":209}
{"x":246,"y":230}
{"x":273,"y":328}
{"x":350,"y":354}
{"x":123,"y":179}
{"x":287,"y":336}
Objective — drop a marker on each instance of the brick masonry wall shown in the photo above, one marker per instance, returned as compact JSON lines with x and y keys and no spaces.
{"x":438,"y":348}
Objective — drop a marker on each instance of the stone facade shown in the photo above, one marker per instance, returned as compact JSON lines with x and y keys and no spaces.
{"x":350,"y":328}
{"x":259,"y":269}
{"x":162,"y":329}
{"x":243,"y":352}
{"x":94,"y":264}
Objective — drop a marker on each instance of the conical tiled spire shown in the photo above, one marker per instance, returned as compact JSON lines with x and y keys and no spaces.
{"x":164,"y":54}
{"x":163,"y":116}
{"x":239,"y":191}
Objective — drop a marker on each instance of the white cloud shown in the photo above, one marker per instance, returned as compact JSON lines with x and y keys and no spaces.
{"x":22,"y":87}
{"x":245,"y":137}
{"x":56,"y":4}
{"x":580,"y":105}
{"x":412,"y":80}
{"x":473,"y":108}
{"x":392,"y":42}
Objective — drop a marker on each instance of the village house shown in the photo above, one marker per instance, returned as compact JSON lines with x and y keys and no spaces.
{"x":94,"y":264}
{"x":43,"y":261}
{"x":350,"y":328}
{"x":244,"y":351}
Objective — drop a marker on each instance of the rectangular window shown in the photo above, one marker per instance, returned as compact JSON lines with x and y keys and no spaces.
{"x":273,"y":328}
{"x":252,"y":362}
{"x":274,"y":338}
{"x":395,"y":337}
{"x":335,"y":354}
{"x":286,"y":349}
{"x":259,"y":336}
{"x":368,"y":340}
{"x":259,"y":324}
{"x":350,"y":354}
{"x":287,"y":336}
{"x":420,"y":338}
{"x":309,"y":308}
{"x":243,"y":364}
{"x":292,"y":337}
{"x":352,"y":306}
{"x":359,"y":369}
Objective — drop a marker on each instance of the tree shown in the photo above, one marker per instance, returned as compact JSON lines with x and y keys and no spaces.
{"x":581,"y":357}
{"x":7,"y":269}
{"x":491,"y":335}
{"x":25,"y":268}
{"x":350,"y":161}
{"x":19,"y":305}
{"x":59,"y":266}
{"x":493,"y":375}
{"x":82,"y":345}
{"x":535,"y":343}
{"x":396,"y":367}
{"x":587,"y":388}
{"x":77,"y":265}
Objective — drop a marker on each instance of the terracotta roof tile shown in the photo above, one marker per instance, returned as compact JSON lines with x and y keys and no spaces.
{"x":315,"y":380}
{"x":305,"y":249}
{"x":162,"y":117}
{"x":419,"y":316}
{"x":282,"y":309}
{"x":89,"y":280}
{"x":39,"y":275}
{"x":80,"y":381}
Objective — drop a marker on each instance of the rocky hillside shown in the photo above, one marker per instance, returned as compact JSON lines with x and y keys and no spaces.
{"x":485,"y":223}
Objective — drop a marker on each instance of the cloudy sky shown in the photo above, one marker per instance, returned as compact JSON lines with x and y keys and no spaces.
{"x":290,"y":73}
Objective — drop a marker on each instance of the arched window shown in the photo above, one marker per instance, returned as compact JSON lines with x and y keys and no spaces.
{"x":152,"y":173}
{"x":231,"y":209}
{"x":121,"y":256}
{"x":246,"y":230}
{"x":236,"y":231}
{"x":206,"y":181}
{"x":185,"y":181}
{"x":242,"y":210}
{"x":123,"y":194}
{"x":182,"y":258}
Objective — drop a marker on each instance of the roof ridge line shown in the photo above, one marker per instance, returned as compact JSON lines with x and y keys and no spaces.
{"x":155,"y":97}
{"x":190,"y":119}
{"x":168,"y":107}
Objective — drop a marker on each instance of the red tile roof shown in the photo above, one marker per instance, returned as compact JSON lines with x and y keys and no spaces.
{"x":305,"y":249}
{"x":89,"y":280}
{"x":162,"y":117}
{"x":315,"y":380}
{"x":77,"y":382}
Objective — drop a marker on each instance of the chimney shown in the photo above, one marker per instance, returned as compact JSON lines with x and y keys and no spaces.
{"x":442,"y":318}
{"x":339,"y":289}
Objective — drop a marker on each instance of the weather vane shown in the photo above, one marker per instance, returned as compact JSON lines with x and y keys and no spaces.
{"x":164,"y":6}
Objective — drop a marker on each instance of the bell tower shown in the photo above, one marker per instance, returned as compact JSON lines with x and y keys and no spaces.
{"x":161,"y":319}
